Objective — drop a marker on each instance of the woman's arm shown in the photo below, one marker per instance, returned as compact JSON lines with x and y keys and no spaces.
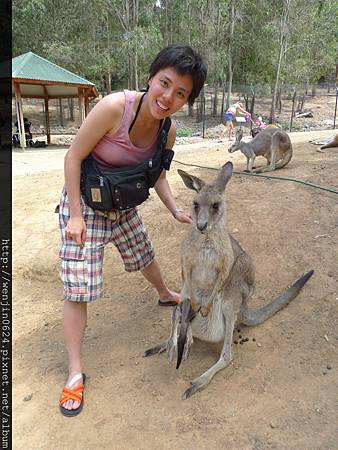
{"x":163,"y":190}
{"x":240,"y":109}
{"x":104,"y":117}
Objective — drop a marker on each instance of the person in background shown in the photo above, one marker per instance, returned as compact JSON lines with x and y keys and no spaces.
{"x":27,"y":126}
{"x":120,"y":131}
{"x":28,"y":134}
{"x":230,"y":115}
{"x":260,"y":123}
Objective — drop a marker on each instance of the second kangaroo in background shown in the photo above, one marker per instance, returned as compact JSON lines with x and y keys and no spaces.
{"x":332,"y":143}
{"x":272,"y":143}
{"x":218,"y":281}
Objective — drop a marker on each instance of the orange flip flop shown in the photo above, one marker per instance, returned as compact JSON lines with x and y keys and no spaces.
{"x":75,"y":393}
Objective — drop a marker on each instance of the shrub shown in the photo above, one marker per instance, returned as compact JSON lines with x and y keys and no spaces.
{"x":183,"y":132}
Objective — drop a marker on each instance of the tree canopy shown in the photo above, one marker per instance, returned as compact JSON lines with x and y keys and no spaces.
{"x":112,"y":42}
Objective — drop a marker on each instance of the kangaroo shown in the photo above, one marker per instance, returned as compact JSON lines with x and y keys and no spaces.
{"x":218,"y":281}
{"x":272,"y":143}
{"x":255,"y":130}
{"x":332,"y":143}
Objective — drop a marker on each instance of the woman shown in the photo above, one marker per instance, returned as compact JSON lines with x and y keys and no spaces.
{"x":230,"y":115}
{"x":121,"y":130}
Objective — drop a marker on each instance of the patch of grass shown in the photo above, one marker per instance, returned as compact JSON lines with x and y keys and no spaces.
{"x":183,"y":132}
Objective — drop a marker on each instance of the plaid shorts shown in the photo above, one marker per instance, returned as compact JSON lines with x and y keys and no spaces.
{"x":81,"y":267}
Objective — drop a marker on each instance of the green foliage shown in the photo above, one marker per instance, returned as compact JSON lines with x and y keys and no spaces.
{"x":183,"y":132}
{"x":112,"y":42}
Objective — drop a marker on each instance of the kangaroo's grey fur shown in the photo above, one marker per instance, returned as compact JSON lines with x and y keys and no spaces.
{"x":272,"y":143}
{"x":218,"y":281}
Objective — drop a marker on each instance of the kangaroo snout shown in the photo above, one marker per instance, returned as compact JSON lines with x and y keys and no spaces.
{"x":202,"y":227}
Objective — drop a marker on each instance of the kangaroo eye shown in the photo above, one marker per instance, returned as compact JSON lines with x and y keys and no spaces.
{"x":196,"y":206}
{"x":215,"y":206}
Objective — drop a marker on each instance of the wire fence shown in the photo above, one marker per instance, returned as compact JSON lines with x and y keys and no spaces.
{"x":298,"y":108}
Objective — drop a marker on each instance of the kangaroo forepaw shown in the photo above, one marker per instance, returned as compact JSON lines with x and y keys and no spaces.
{"x":204,"y":311}
{"x":187,"y":346}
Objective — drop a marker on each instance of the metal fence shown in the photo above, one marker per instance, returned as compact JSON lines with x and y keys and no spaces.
{"x":298,"y":108}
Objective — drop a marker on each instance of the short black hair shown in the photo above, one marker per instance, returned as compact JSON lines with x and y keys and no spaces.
{"x":185,"y":60}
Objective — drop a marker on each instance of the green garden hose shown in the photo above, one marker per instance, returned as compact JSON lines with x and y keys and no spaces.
{"x":294,"y":180}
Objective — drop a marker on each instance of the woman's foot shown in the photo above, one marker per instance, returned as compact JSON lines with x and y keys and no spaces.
{"x":74,"y":380}
{"x":172,"y":299}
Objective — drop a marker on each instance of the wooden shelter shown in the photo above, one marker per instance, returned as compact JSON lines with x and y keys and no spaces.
{"x":35,"y":77}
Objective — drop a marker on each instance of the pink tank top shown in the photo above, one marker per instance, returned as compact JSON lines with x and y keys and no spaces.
{"x":116,"y":149}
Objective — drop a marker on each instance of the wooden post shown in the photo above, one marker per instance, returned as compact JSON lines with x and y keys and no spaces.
{"x":61,"y":112}
{"x":71,"y":109}
{"x":293,"y":108}
{"x":19,"y":115}
{"x":86,"y":105}
{"x":203,"y":113}
{"x":335,"y":109}
{"x":81,"y":108}
{"x":44,"y":116}
{"x":47,"y":115}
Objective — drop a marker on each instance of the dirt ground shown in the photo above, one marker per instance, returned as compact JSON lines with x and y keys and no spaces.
{"x":280,"y":391}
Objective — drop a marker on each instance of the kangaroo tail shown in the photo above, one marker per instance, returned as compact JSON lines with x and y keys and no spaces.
{"x":332,"y":143}
{"x":160,"y":348}
{"x":252,"y":317}
{"x":282,"y":140}
{"x":285,"y":160}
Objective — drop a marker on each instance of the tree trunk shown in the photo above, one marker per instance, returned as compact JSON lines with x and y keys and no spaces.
{"x":253,"y":98}
{"x":199,"y":108}
{"x":279,"y":100}
{"x":189,"y":21}
{"x":136,"y":71}
{"x":130,"y":80}
{"x":223,"y":96}
{"x":71,"y":109}
{"x":215,"y":103}
{"x":166,"y":34}
{"x":246,"y":99}
{"x":171,"y":26}
{"x":108,"y":82}
{"x":282,"y":41}
{"x":230,"y":66}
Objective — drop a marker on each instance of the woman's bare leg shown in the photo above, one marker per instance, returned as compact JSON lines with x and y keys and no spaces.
{"x":74,"y":324}
{"x":152,"y":273}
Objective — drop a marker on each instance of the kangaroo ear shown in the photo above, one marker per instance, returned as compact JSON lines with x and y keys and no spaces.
{"x":224,"y":176}
{"x":190,"y":181}
{"x":239,"y":134}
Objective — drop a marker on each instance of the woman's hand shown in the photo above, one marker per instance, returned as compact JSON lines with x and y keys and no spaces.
{"x":183,"y":217}
{"x":76,"y":230}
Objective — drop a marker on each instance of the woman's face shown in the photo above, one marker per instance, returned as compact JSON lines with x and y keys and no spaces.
{"x":168,"y":92}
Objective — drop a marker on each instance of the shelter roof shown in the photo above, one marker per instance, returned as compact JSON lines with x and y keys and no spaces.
{"x":35,"y":74}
